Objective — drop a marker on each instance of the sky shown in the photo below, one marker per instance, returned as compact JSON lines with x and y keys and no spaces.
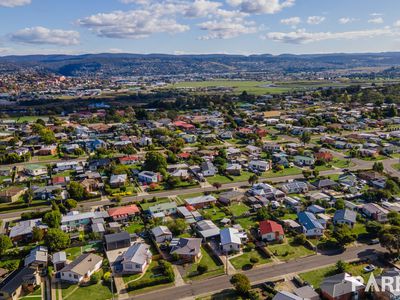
{"x":198,"y":26}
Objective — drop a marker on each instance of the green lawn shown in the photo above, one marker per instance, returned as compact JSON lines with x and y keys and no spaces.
{"x":214,"y":267}
{"x":149,"y":203}
{"x":215,"y":213}
{"x":152,"y":272}
{"x":244,"y":176}
{"x":73,"y":252}
{"x":289,"y":250}
{"x":241,"y":262}
{"x":135,"y":226}
{"x":246,"y":222}
{"x":239,"y":209}
{"x":36,"y":295}
{"x":315,"y":277}
{"x":396,"y":166}
{"x":284,"y":172}
{"x":289,"y":216}
{"x":93,"y":292}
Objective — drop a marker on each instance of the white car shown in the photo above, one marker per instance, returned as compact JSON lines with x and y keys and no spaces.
{"x":369,"y":268}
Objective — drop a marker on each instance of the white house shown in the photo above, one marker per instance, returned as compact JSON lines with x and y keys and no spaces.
{"x":231,"y":239}
{"x":136,"y":258}
{"x":81,"y":268}
{"x":259,"y":165}
{"x":149,"y":177}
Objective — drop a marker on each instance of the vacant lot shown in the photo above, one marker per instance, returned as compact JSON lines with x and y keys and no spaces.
{"x":242,"y":262}
{"x":289,"y":250}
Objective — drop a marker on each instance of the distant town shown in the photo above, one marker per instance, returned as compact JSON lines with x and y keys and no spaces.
{"x":229,"y":186}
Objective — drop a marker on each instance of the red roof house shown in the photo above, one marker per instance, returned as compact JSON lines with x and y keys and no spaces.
{"x":123,"y":212}
{"x":271,"y":231}
{"x":183,"y":125}
{"x":324,"y":156}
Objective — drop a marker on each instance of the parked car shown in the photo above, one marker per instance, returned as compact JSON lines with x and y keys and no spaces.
{"x":369,"y":268}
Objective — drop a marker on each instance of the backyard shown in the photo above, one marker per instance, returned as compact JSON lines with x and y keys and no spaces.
{"x":214,"y":267}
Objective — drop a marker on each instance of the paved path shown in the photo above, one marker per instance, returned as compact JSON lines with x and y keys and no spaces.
{"x":178,"y":277}
{"x":260,"y":274}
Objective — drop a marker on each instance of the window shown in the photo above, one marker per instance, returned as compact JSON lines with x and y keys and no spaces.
{"x":76,"y":276}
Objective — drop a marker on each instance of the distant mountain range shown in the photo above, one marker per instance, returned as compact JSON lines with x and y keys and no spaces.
{"x":109,"y":64}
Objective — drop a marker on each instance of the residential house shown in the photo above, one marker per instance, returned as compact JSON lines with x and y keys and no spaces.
{"x":253,"y":150}
{"x":301,"y":160}
{"x":81,"y":268}
{"x":35,"y":170}
{"x":161,"y":234}
{"x":386,"y":292}
{"x":208,"y":169}
{"x":129,"y":160}
{"x":259,"y":165}
{"x":375,"y":212}
{"x":348,"y":179}
{"x":231,"y":240}
{"x":136,"y":258}
{"x":345,"y":216}
{"x":20,"y":282}
{"x":311,"y":226}
{"x":149,"y":177}
{"x":12,"y":194}
{"x":272,"y":147}
{"x":315,"y":209}
{"x":230,"y":197}
{"x":123,"y":213}
{"x":324,"y":184}
{"x":207,"y":229}
{"x":47,"y":150}
{"x":37,"y":257}
{"x":234,"y":169}
{"x":201,"y":201}
{"x":167,"y":208}
{"x":23,"y":229}
{"x":187,"y":249}
{"x":342,"y":286}
{"x":117,"y":240}
{"x":118,"y":180}
{"x":271,"y":231}
{"x":295,"y":187}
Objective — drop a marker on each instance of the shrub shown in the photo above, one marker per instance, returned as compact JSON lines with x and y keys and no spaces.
{"x":95,"y":278}
{"x":254,"y":259}
{"x":202,"y":268}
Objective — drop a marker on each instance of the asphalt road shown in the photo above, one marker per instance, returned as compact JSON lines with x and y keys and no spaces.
{"x":261,"y":274}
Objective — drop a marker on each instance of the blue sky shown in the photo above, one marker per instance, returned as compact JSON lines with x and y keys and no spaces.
{"x":198,"y":26}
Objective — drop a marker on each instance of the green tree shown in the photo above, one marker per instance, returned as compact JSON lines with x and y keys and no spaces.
{"x":341,"y":266}
{"x":344,"y":235}
{"x":305,"y":137}
{"x":52,"y":219}
{"x":5,"y":243}
{"x":217,"y":185}
{"x":253,"y":179}
{"x":155,"y":162}
{"x":202,"y":268}
{"x":389,"y":238}
{"x":177,"y":226}
{"x":56,"y":239}
{"x":37,"y":234}
{"x":373,"y":228}
{"x":378,"y":167}
{"x":306,"y":174}
{"x":241,"y":284}
{"x":71,"y":203}
{"x":77,"y":191}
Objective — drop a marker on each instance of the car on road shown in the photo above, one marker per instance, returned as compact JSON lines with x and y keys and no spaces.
{"x":373,"y":242}
{"x":369,"y":268}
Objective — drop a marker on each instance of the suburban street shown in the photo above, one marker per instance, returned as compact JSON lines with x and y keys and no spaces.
{"x":359,"y":164}
{"x":261,"y":274}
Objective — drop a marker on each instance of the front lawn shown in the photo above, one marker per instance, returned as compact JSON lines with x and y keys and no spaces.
{"x":135,"y":226}
{"x":315,"y":277}
{"x":214,"y":267}
{"x":150,"y":202}
{"x":94,"y":292}
{"x":215,"y":213}
{"x":246,"y":222}
{"x":242,"y":262}
{"x":289,"y":250}
{"x":284,"y":172}
{"x":244,"y":176}
{"x":73,"y":252}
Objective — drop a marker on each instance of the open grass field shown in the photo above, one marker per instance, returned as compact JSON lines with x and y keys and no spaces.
{"x":289,"y":250}
{"x":315,"y":277}
{"x":96,"y":292}
{"x":242,"y":262}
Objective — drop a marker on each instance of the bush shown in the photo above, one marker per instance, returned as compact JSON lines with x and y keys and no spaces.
{"x":254,"y":259}
{"x":250,"y":246}
{"x":95,"y":278}
{"x":202,"y":268}
{"x":140,"y":284}
{"x":107,"y":277}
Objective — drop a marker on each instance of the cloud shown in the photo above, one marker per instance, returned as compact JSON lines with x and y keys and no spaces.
{"x":302,"y":36}
{"x":201,"y":8}
{"x":396,"y":23}
{"x":315,"y":20}
{"x":291,"y":21}
{"x":226,"y":28}
{"x":42,"y":35}
{"x":346,"y":20}
{"x":14,"y":3}
{"x":378,"y":20}
{"x":261,"y":6}
{"x":131,"y":24}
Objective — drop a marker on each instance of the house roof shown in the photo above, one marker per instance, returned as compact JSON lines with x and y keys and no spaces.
{"x":230,"y":235}
{"x":345,"y":214}
{"x":59,"y":257}
{"x":83,"y":264}
{"x":186,"y":246}
{"x":200,"y":199}
{"x":340,"y":285}
{"x":161,"y":230}
{"x":123,"y":210}
{"x":137,"y":253}
{"x":115,"y":237}
{"x":308,"y":220}
{"x":16,"y":279}
{"x":270,"y":226}
{"x":25,"y":227}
